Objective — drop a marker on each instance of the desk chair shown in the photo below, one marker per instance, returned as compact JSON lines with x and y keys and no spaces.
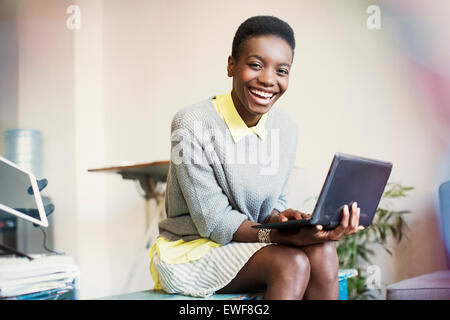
{"x":431,"y":286}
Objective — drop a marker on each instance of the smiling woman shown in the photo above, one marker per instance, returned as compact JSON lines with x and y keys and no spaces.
{"x":260,"y":62}
{"x":207,"y":243}
{"x":259,"y":80}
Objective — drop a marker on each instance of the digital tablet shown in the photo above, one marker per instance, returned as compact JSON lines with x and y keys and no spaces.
{"x":350,"y":179}
{"x":19,"y":194}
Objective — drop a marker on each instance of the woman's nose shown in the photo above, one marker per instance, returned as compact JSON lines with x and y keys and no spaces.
{"x":267,"y":78}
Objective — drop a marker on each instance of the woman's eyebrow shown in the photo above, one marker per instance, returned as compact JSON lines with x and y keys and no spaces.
{"x":255,"y":56}
{"x":262,"y":59}
{"x":285,"y":64}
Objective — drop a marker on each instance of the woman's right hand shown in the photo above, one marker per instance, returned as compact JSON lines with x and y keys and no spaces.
{"x":289,"y":214}
{"x":315,"y":234}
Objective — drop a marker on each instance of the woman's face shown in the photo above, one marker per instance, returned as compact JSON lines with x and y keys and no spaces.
{"x":260,"y":75}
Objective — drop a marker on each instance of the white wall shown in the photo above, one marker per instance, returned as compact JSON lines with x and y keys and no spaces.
{"x":106,"y":94}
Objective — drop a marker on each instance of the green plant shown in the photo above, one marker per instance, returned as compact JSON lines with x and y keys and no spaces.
{"x":356,"y":249}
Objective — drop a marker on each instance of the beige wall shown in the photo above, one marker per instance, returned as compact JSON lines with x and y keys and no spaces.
{"x":9,"y":65}
{"x":108,"y":91}
{"x":46,"y":102}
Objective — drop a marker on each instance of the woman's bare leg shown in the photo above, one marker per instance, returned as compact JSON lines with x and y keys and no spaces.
{"x":323,"y":283}
{"x":290,"y":273}
{"x":283,"y":271}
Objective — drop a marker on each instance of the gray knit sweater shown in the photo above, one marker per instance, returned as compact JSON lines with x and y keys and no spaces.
{"x":214,"y":184}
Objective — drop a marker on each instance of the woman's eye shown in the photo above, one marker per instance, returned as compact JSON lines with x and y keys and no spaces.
{"x":255,"y":65}
{"x":283,"y":71}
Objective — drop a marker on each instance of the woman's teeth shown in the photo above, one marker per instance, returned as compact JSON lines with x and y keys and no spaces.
{"x":262,"y":94}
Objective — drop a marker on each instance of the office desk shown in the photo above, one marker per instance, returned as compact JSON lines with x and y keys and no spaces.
{"x":148,"y":174}
{"x":152,"y":179}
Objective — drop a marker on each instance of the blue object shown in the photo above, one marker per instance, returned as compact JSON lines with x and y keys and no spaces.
{"x":48,"y":208}
{"x":41,"y":185}
{"x":343,"y":289}
{"x":435,"y":285}
{"x":65,"y":293}
{"x":444,"y":204}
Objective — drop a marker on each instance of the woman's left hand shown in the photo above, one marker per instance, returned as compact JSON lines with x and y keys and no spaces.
{"x":316,"y":234}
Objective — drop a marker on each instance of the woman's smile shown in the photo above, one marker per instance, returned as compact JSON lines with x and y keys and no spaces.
{"x":261,"y":96}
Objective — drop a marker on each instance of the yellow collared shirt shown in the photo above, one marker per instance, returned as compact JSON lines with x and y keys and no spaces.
{"x":226,"y":109}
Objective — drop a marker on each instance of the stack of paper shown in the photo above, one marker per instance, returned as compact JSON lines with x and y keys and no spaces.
{"x":44,"y":277}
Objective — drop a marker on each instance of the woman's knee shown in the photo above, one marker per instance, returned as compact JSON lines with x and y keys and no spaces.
{"x":324,"y":260}
{"x":290,"y":264}
{"x":328,"y":249}
{"x":300,"y":262}
{"x":322,"y":252}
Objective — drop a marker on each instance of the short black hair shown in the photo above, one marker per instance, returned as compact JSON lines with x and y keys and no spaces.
{"x":259,"y":26}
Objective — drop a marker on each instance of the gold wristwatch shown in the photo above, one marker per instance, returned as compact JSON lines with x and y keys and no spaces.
{"x":264,"y":235}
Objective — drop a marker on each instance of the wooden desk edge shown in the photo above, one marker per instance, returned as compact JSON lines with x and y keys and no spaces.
{"x":134,"y":166}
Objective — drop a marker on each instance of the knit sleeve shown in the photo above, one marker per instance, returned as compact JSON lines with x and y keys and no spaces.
{"x":208,"y":205}
{"x":281,"y":203}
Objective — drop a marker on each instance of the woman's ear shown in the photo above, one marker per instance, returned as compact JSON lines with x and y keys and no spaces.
{"x":230,"y":67}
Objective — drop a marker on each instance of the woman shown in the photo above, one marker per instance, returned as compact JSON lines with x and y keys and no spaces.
{"x":230,"y":163}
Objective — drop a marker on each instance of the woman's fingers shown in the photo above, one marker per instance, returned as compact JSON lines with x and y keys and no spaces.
{"x":291,"y":214}
{"x":305,"y":215}
{"x":349,"y":223}
{"x":341,"y":230}
{"x":298,"y":215}
{"x":354,"y":217}
{"x":356,"y":214}
{"x":345,"y":218}
{"x":357,"y":220}
{"x":353,"y":212}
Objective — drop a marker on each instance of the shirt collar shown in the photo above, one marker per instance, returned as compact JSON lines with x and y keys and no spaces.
{"x":238,"y":128}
